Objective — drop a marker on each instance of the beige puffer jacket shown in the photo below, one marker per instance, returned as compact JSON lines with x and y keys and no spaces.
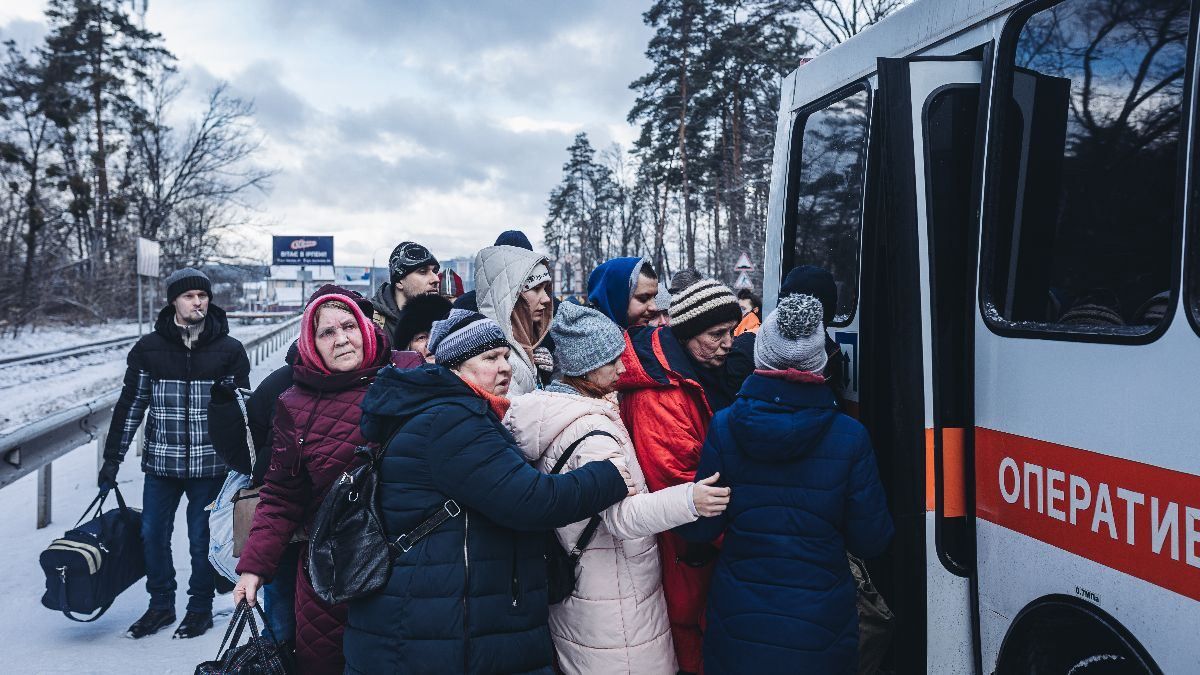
{"x":616,"y":620}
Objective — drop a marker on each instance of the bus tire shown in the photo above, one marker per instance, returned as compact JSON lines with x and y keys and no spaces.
{"x":1061,"y":635}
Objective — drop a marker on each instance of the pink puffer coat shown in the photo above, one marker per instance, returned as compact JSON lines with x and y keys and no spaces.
{"x":616,"y":620}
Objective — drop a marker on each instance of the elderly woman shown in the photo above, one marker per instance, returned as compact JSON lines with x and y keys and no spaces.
{"x":677,"y":377}
{"x":513,"y":289}
{"x":805,"y":491}
{"x":468,"y":594}
{"x":616,"y":619}
{"x":314,"y":436}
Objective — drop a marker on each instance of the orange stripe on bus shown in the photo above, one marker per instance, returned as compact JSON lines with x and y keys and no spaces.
{"x":953,"y":495}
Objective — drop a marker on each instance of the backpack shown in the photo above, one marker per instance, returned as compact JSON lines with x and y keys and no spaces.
{"x":222,"y":544}
{"x":88,"y":567}
{"x":560,"y":563}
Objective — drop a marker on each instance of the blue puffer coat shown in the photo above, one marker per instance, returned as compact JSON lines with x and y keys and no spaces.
{"x":805,"y":490}
{"x":471,"y":596}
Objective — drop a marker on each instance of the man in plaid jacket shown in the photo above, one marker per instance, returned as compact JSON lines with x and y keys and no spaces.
{"x":170,"y":373}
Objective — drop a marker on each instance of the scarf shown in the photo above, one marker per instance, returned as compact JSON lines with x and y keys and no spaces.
{"x":526,"y":332}
{"x":792,"y":375}
{"x":498,"y":404}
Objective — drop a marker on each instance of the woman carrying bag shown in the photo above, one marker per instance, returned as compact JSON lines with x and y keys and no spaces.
{"x":615,"y":620}
{"x":315,"y":435}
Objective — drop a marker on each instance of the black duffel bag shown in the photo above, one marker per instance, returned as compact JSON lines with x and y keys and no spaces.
{"x":261,"y":655}
{"x":88,"y":567}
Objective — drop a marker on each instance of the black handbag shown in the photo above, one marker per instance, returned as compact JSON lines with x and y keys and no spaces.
{"x":261,"y":655}
{"x":88,"y":567}
{"x":560,"y":563}
{"x":876,"y":623}
{"x":349,"y":553}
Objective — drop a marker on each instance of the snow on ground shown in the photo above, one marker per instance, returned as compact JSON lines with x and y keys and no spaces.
{"x":37,"y":339}
{"x":33,"y":391}
{"x":39,"y":640}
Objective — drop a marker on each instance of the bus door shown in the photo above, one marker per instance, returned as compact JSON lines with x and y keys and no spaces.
{"x":917,"y":280}
{"x":1084,"y":442}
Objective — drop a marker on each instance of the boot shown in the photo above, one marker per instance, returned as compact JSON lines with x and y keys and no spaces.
{"x":194,"y":624}
{"x":151,"y":622}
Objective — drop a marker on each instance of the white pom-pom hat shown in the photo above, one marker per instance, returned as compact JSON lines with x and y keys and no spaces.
{"x":792,"y":336}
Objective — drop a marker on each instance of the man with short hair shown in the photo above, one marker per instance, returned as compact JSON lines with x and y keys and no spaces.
{"x":171,"y":372}
{"x":414,"y":272}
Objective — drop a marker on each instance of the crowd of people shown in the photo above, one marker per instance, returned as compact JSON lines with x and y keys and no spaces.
{"x":689,"y":452}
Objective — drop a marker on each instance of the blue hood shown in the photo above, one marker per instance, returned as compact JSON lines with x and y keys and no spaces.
{"x":609,"y":288}
{"x":779,"y":421}
{"x":397,"y":395}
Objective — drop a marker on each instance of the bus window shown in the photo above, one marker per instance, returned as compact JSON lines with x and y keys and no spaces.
{"x":1085,"y":228}
{"x":825,"y":194}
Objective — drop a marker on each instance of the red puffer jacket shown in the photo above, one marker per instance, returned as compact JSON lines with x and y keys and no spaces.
{"x":315,"y":435}
{"x":667,"y":414}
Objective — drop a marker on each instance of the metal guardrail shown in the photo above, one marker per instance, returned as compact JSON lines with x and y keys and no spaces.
{"x":34,"y":446}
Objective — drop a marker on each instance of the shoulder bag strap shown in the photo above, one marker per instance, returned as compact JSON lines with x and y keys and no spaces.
{"x":242,"y":395}
{"x":589,"y":530}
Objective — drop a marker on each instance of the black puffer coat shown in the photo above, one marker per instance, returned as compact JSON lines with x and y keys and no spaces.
{"x":174,"y":383}
{"x":471,"y":596}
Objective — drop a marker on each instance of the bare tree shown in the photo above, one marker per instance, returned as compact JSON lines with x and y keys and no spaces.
{"x":832,"y":22}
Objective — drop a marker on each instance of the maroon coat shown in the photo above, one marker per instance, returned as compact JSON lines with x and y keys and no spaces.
{"x":316,"y":433}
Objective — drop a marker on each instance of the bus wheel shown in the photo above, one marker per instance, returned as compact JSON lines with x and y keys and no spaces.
{"x":1061,"y":635}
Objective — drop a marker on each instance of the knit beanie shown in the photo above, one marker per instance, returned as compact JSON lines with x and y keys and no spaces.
{"x":187,"y":279}
{"x":815,"y":281}
{"x":514,"y":238}
{"x":462,"y":335}
{"x":701,"y":306}
{"x":584,"y":339}
{"x":792,"y":336}
{"x":663,"y":299}
{"x":408,"y":256}
{"x":540,"y":274}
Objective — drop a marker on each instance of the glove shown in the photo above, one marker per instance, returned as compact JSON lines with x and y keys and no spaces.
{"x":543,"y":359}
{"x":108,"y":474}
{"x":223,"y":393}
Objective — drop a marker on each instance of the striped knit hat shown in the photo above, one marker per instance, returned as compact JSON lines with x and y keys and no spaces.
{"x":701,"y":306}
{"x":462,"y":335}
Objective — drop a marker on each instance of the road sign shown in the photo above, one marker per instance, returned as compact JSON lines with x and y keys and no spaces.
{"x":147,"y":257}
{"x":302,"y":250}
{"x":743,"y":281}
{"x":743,"y":264}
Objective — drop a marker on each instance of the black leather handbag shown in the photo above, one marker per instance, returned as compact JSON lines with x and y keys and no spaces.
{"x":261,"y":655}
{"x":560,"y":563}
{"x":349,"y":555}
{"x":88,"y":567}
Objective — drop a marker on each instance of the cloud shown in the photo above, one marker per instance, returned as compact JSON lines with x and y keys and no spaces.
{"x":26,"y":33}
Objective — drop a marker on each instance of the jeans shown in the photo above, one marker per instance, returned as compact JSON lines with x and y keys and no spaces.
{"x":160,"y":500}
{"x":279,"y":596}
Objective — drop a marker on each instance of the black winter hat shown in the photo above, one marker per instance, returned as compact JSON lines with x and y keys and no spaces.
{"x":418,"y":317}
{"x":814,"y":281}
{"x":514,"y":238}
{"x":408,"y":256}
{"x":187,"y":279}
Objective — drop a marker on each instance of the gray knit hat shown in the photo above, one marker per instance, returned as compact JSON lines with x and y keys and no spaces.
{"x":584,"y":339}
{"x":462,"y":335}
{"x":187,"y":279}
{"x":701,"y":306}
{"x":792,"y":336}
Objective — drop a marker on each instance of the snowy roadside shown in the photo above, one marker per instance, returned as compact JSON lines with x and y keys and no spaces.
{"x":39,"y":640}
{"x":34,"y":391}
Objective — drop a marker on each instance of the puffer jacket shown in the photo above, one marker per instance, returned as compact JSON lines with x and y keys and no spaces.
{"x":174,"y":384}
{"x":470,"y":597}
{"x":616,"y":620}
{"x":314,"y":437}
{"x":805,"y":489}
{"x":499,"y":273}
{"x":667,"y":413}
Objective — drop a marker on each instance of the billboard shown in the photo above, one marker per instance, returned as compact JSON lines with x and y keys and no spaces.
{"x":302,"y":250}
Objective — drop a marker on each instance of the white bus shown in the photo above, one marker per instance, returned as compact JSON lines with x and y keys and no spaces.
{"x":1003,"y":191}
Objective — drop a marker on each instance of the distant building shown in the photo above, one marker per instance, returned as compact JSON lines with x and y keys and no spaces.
{"x":286,"y":290}
{"x":465,"y":268}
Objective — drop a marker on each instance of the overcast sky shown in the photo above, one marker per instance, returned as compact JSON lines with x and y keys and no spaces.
{"x":443,"y":121}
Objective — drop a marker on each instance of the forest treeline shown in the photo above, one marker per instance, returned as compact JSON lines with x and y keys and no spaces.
{"x":692,"y":190}
{"x":89,"y":162}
